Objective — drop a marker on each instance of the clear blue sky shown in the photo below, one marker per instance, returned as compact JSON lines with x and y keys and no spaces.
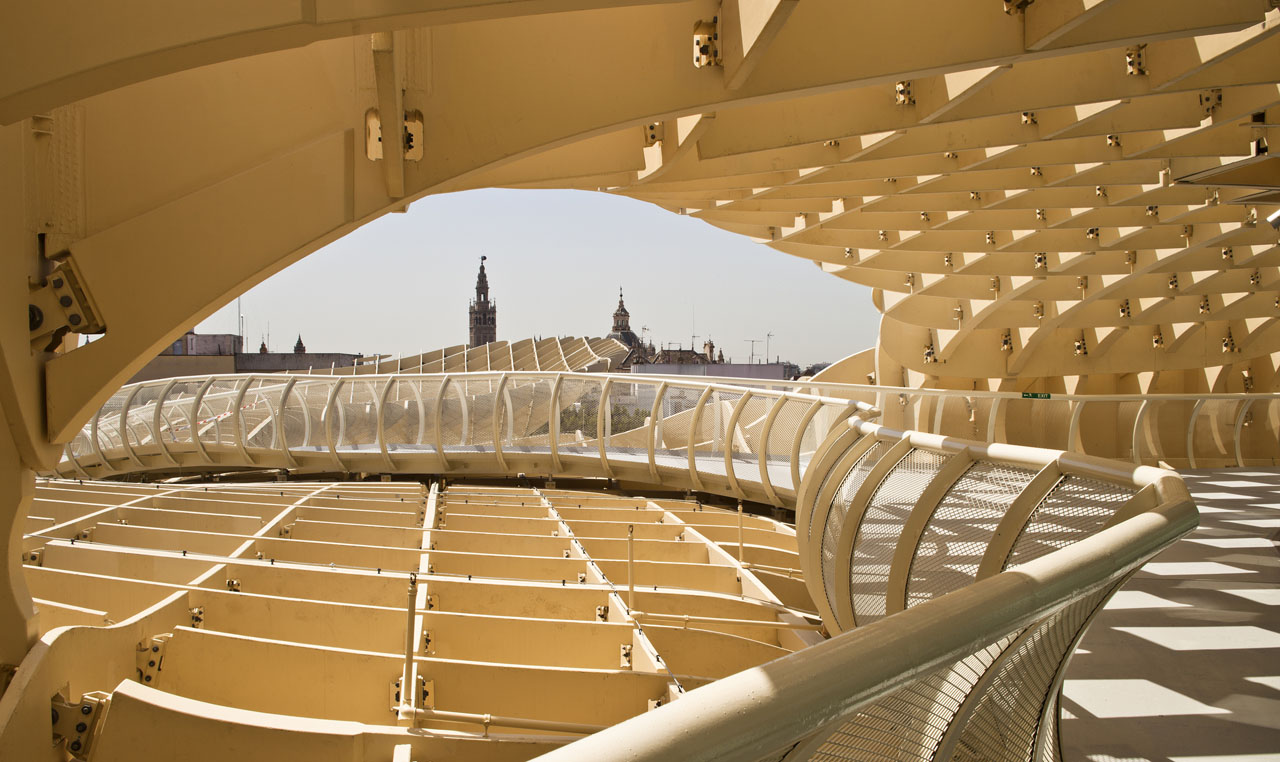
{"x":556,"y":258}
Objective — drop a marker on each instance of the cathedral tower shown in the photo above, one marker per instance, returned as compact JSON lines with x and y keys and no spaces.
{"x":622,"y":325}
{"x":483,"y":313}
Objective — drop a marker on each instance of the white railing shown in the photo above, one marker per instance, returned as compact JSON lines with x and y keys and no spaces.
{"x":962,"y":577}
{"x":1181,"y":430}
{"x":746,"y":439}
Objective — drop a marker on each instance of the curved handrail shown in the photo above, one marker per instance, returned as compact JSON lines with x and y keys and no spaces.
{"x":641,"y":453}
{"x":878,"y":683}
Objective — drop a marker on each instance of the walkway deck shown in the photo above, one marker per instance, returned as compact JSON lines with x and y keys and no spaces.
{"x":1184,"y":663}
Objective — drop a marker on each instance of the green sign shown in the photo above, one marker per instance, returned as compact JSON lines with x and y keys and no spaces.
{"x":1035,"y":395}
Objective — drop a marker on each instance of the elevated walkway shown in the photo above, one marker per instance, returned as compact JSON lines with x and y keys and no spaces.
{"x":1183,"y":664}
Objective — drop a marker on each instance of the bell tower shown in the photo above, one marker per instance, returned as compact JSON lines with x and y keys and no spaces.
{"x":621,"y":318}
{"x":483,"y":313}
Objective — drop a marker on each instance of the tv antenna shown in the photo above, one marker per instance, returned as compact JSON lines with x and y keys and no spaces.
{"x":751,"y":358}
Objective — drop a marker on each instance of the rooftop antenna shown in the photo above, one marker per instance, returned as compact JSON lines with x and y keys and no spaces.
{"x":767,"y":338}
{"x":693,"y":325}
{"x":751,"y":358}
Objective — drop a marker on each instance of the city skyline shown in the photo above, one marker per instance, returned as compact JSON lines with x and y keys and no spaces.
{"x":552,"y":243}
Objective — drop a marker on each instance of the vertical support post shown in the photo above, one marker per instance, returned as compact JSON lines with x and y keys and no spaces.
{"x":406,"y":683}
{"x":739,"y":531}
{"x":1073,"y":430}
{"x":1244,"y":412}
{"x":631,"y":567}
{"x":18,"y":624}
{"x":1191,"y":433}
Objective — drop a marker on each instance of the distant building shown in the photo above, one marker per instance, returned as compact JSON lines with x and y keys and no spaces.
{"x":772,"y":371}
{"x":205,"y":353}
{"x":678,"y":361}
{"x":483,"y":313}
{"x":622,"y":332}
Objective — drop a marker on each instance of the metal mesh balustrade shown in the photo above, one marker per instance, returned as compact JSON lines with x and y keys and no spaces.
{"x":881,"y":526}
{"x":818,"y":514}
{"x":713,"y":434}
{"x":839,"y":509}
{"x":629,"y":407}
{"x":137,"y":424}
{"x":300,"y":415}
{"x":1052,"y":752}
{"x":744,"y":441}
{"x":783,"y":431}
{"x":909,"y":724}
{"x":1075,"y":508}
{"x":257,"y":420}
{"x":213,"y":424}
{"x":258,"y":413}
{"x":481,"y":397}
{"x":953,"y":542}
{"x":1007,"y":718}
{"x":579,"y":413}
{"x":453,"y":419}
{"x":679,"y":406}
{"x":355,"y":408}
{"x":526,"y":414}
{"x":408,"y":417}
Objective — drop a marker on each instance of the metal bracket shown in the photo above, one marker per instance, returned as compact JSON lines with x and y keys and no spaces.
{"x":432,"y":600}
{"x":59,"y":305}
{"x":150,"y":658}
{"x":625,"y":659}
{"x":706,"y":43}
{"x":902,"y":93}
{"x":77,"y":723}
{"x":197,"y":616}
{"x":427,"y":650}
{"x":1210,"y":100}
{"x":654,"y":132}
{"x":413,"y":131}
{"x":602,"y":613}
{"x":1135,"y":60}
{"x":233,"y":585}
{"x":426,"y":693}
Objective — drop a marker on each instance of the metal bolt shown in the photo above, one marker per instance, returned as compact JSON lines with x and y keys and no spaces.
{"x":155,"y":649}
{"x":75,"y":745}
{"x":35,"y":316}
{"x":55,"y":716}
{"x":57,"y":282}
{"x":64,"y":300}
{"x":73,"y":319}
{"x":81,"y":727}
{"x":151,"y":663}
{"x":146,"y":679}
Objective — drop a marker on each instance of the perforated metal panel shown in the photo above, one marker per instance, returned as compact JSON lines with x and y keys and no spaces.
{"x":839,"y":509}
{"x":1074,"y":509}
{"x":956,"y":537}
{"x":1006,"y":720}
{"x":881,"y":526}
{"x":910,"y":723}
